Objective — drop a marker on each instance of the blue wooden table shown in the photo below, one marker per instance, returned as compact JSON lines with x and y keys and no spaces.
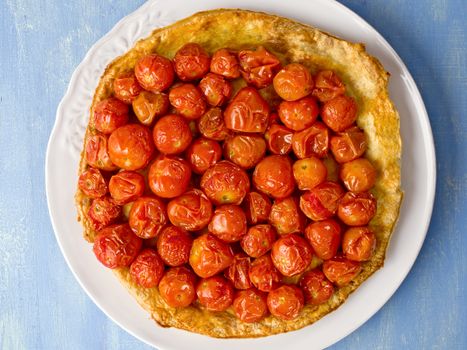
{"x":42,"y":305}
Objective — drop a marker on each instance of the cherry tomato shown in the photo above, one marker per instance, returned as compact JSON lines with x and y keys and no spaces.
{"x":286,"y":216}
{"x":228,"y":223}
{"x":169,"y":177}
{"x":225,"y":183}
{"x":131,"y":147}
{"x":212,"y":126}
{"x":257,"y":207}
{"x":327,"y":86}
{"x":97,"y":154}
{"x":291,"y":254}
{"x":258,"y":67}
{"x":299,"y":115}
{"x":359,"y":243}
{"x":258,"y":240}
{"x":348,"y":145}
{"x":293,"y":82}
{"x":309,"y":173}
{"x":147,"y":269}
{"x":339,"y":113}
{"x":116,"y":246}
{"x":340,"y":270}
{"x":126,"y":87}
{"x":110,"y":114}
{"x":191,"y":62}
{"x":215,"y":293}
{"x":357,"y":209}
{"x":316,"y":287}
{"x":274,"y":177}
{"x":247,"y":112}
{"x":225,"y":63}
{"x":216,"y":89}
{"x":202,"y":154}
{"x":238,"y":271}
{"x":191,"y":211}
{"x":147,"y":217}
{"x":324,"y":237}
{"x":148,"y":106}
{"x":359,"y":175}
{"x":279,"y":139}
{"x":313,"y":141}
{"x":250,"y":305}
{"x":154,"y":73}
{"x":209,"y":255}
{"x":177,"y":287}
{"x":188,"y":101}
{"x":92,"y":183}
{"x":126,"y":186}
{"x":102,"y":212}
{"x":172,"y":134}
{"x":321,"y":202}
{"x":286,"y":302}
{"x":245,"y":150}
{"x":174,"y":245}
{"x":263,"y":274}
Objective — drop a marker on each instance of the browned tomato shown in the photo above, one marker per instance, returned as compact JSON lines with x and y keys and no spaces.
{"x":177,"y":287}
{"x":316,"y":287}
{"x":215,"y":293}
{"x":92,"y":183}
{"x":348,"y":145}
{"x":147,"y":269}
{"x":247,"y":112}
{"x":250,"y":305}
{"x":357,"y":209}
{"x":228,"y":223}
{"x":238,"y":271}
{"x":216,"y":89}
{"x":154,"y":73}
{"x":279,"y":139}
{"x":209,"y":255}
{"x":245,"y":150}
{"x":126,"y":87}
{"x":169,"y":177}
{"x":116,"y":246}
{"x":327,"y":86}
{"x":96,"y":153}
{"x":110,"y":114}
{"x":225,"y":183}
{"x":202,"y":154}
{"x":191,"y":211}
{"x":286,"y":302}
{"x":225,"y":63}
{"x":309,"y":173}
{"x":188,"y":101}
{"x":131,"y":147}
{"x":286,"y":216}
{"x":313,"y":141}
{"x":148,"y":106}
{"x":340,"y":270}
{"x":147,"y":217}
{"x":359,"y":243}
{"x":126,"y":186}
{"x":172,"y":134}
{"x":274,"y":176}
{"x":212,"y":126}
{"x":174,"y":245}
{"x":359,"y":175}
{"x":257,"y":207}
{"x":339,"y":113}
{"x":102,"y":212}
{"x":321,"y":202}
{"x":293,"y":82}
{"x":324,"y":237}
{"x":291,"y":254}
{"x":258,"y":67}
{"x":263,"y":274}
{"x":299,"y":115}
{"x":258,"y":240}
{"x":191,"y":62}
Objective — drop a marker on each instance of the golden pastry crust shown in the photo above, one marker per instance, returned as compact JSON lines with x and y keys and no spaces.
{"x":366,"y":80}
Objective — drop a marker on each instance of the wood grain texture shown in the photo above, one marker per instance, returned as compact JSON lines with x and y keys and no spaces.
{"x":41,"y":304}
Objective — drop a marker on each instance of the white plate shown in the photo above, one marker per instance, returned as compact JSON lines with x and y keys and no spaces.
{"x":418,"y":176}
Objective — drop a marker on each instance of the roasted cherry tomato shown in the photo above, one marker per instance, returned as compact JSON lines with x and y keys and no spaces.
{"x":357,"y":209}
{"x":202,"y":154}
{"x":258,"y":240}
{"x":225,"y":63}
{"x":247,"y":112}
{"x":126,"y":186}
{"x":172,"y":134}
{"x":225,"y":183}
{"x":299,"y":115}
{"x":339,"y":113}
{"x":250,"y":305}
{"x":110,"y":114}
{"x":316,"y":287}
{"x":263,"y":274}
{"x":177,"y":287}
{"x":215,"y":293}
{"x":274,"y":176}
{"x":147,"y":269}
{"x":188,"y":101}
{"x":359,"y":243}
{"x":154,"y":73}
{"x":174,"y":245}
{"x":126,"y":87}
{"x":147,"y":217}
{"x":348,"y":145}
{"x":92,"y":183}
{"x":148,"y":106}
{"x":245,"y":150}
{"x":97,"y":154}
{"x":238,"y":271}
{"x":191,"y":211}
{"x":169,"y":177}
{"x":313,"y":141}
{"x":309,"y":173}
{"x":102,"y":212}
{"x":212,"y":126}
{"x":209,"y":255}
{"x":327,"y":86}
{"x":228,"y":223}
{"x":257,"y":207}
{"x":359,"y":175}
{"x":286,"y":302}
{"x":216,"y":89}
{"x":324,"y":237}
{"x":286,"y":216}
{"x":321,"y":202}
{"x":131,"y":147}
{"x":291,"y":254}
{"x":191,"y":62}
{"x":293,"y":82}
{"x":279,"y":139}
{"x":340,"y":270}
{"x":258,"y":67}
{"x":116,"y":246}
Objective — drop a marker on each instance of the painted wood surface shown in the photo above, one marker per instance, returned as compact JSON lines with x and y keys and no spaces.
{"x":41,"y":304}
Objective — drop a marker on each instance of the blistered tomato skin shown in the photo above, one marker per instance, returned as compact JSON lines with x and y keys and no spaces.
{"x":316,"y":288}
{"x":147,"y":269}
{"x":154,"y":73}
{"x":258,"y":240}
{"x":102,"y":212}
{"x":92,"y":183}
{"x":321,"y":202}
{"x":225,"y":63}
{"x":191,"y":62}
{"x":339,"y":113}
{"x":286,"y":216}
{"x":357,"y":209}
{"x":178,"y":287}
{"x":148,"y":106}
{"x":216,"y":89}
{"x":174,"y":245}
{"x":202,"y":154}
{"x":291,"y":254}
{"x":239,"y":271}
{"x":263,"y":274}
{"x":258,"y":67}
{"x":257,"y":207}
{"x":96,"y":153}
{"x":286,"y":302}
{"x":313,"y":141}
{"x":147,"y":217}
{"x":169,"y":177}
{"x":110,"y":114}
{"x":348,"y":145}
{"x":358,"y":175}
{"x":188,"y":101}
{"x":293,"y":82}
{"x":126,"y":87}
{"x":212,"y":126}
{"x":274,"y":176}
{"x":327,"y":86}
{"x":299,"y":115}
{"x":228,"y":223}
{"x":324,"y":237}
{"x":359,"y":243}
{"x":172,"y":134}
{"x":126,"y":186}
{"x":215,"y":293}
{"x":250,"y":305}
{"x":309,"y":173}
{"x":245,"y":150}
{"x":279,"y":139}
{"x":191,"y":211}
{"x":340,"y":270}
